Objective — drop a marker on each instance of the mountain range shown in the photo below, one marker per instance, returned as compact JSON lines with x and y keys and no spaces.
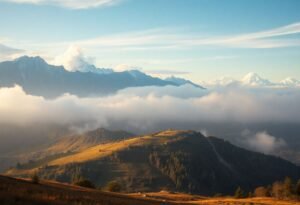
{"x":39,"y":78}
{"x":174,"y":160}
{"x":182,"y":81}
{"x":253,"y":80}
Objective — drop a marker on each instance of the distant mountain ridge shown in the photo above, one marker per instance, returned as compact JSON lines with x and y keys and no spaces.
{"x":290,"y":82}
{"x":253,"y":80}
{"x":172,"y":159}
{"x":182,"y":81}
{"x":39,"y":78}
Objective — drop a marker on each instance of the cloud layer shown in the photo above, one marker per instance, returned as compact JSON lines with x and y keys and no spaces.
{"x":263,"y":142}
{"x":144,"y":109}
{"x":170,"y":39}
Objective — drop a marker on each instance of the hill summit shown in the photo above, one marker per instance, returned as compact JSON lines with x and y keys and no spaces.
{"x":175,"y":160}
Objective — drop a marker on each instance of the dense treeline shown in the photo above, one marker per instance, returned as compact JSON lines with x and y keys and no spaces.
{"x":280,"y":189}
{"x":286,"y":189}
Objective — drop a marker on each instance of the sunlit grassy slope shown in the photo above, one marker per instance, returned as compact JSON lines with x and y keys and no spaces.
{"x":79,"y":142}
{"x":184,"y":161}
{"x":104,"y":150}
{"x":182,"y":198}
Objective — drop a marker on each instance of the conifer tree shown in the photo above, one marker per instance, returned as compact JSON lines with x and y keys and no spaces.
{"x":239,"y":193}
{"x":287,"y":187}
{"x":298,"y":188}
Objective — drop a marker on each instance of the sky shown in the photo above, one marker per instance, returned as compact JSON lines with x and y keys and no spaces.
{"x":197,"y":39}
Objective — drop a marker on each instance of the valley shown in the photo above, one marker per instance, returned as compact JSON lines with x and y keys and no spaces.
{"x":138,"y":102}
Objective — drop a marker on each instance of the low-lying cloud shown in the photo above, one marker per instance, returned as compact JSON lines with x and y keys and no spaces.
{"x":144,"y":109}
{"x":263,"y":142}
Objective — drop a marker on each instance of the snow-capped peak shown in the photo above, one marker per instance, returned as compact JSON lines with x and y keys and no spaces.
{"x":253,"y":79}
{"x":290,"y":82}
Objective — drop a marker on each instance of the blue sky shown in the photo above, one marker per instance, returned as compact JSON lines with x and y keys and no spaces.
{"x":197,"y":39}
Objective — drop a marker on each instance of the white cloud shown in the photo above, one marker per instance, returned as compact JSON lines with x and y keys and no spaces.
{"x":73,"y":59}
{"x":141,"y":40}
{"x":149,"y":108}
{"x":65,"y":110}
{"x":8,"y":53}
{"x":166,"y":39}
{"x":204,"y":132}
{"x":261,"y":39}
{"x":280,"y":31}
{"x":264,"y":142}
{"x":185,"y":91}
{"x":71,"y":4}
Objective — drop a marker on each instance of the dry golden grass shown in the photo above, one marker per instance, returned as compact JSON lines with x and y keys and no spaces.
{"x":96,"y":152}
{"x":247,"y":201}
{"x":101,"y":151}
{"x":177,"y":197}
{"x":20,"y":172}
{"x":169,"y":133}
{"x":24,"y":192}
{"x":181,"y":198}
{"x":104,"y":150}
